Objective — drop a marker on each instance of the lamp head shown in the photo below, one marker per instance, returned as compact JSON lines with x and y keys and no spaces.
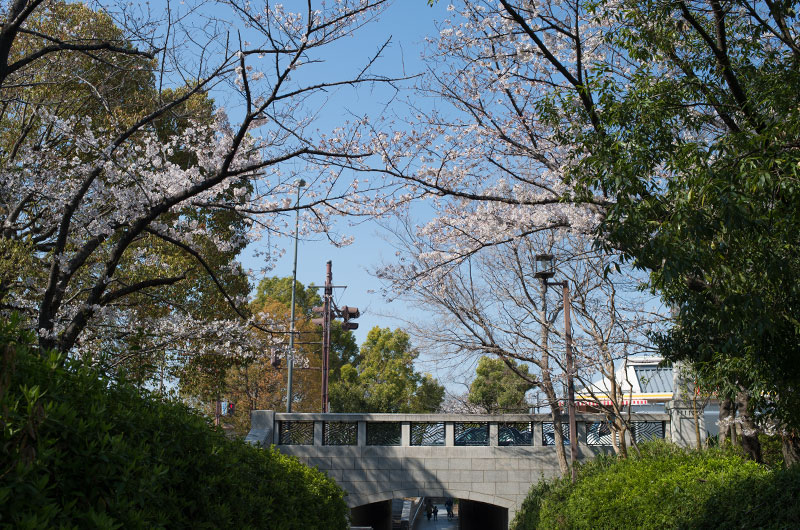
{"x":545,"y":266}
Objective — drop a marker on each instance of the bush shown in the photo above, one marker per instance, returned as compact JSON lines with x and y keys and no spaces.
{"x":80,"y":451}
{"x":667,"y":487}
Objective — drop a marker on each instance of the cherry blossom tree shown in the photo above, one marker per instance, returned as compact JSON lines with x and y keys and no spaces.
{"x":517,"y":83}
{"x":492,"y":156}
{"x":491,"y":304}
{"x":89,"y":196}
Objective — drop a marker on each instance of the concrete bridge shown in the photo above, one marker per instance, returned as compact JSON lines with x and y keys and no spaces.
{"x":487,"y":461}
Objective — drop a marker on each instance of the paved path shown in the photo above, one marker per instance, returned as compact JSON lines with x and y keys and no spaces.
{"x":441,"y":524}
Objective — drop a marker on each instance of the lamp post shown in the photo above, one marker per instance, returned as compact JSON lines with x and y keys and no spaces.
{"x":545,"y":269}
{"x":290,"y":363}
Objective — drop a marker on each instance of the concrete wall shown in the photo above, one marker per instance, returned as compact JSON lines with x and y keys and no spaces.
{"x":494,"y":475}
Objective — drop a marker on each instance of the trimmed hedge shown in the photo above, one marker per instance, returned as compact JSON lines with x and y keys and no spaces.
{"x":79,"y":451}
{"x":667,"y":487}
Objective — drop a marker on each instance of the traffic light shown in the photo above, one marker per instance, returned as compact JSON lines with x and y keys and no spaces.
{"x":274,"y":359}
{"x":349,"y":313}
{"x":320,"y":311}
{"x":231,"y":408}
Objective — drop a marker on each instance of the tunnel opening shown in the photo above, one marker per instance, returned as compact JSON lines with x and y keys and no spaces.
{"x":474,"y":515}
{"x":377,"y":515}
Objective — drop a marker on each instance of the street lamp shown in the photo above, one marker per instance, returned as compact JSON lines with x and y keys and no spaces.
{"x":545,"y":269}
{"x":290,"y":363}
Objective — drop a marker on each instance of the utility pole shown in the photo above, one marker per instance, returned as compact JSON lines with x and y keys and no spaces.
{"x":328,"y":311}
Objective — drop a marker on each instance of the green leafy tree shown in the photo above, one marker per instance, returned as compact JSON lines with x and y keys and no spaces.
{"x":255,"y":384}
{"x":500,"y":387}
{"x":384,"y":380}
{"x":78,"y":450}
{"x":701,"y":150}
{"x":344,"y":349}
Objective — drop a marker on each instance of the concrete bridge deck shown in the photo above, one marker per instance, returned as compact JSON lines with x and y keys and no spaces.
{"x":490,"y":459}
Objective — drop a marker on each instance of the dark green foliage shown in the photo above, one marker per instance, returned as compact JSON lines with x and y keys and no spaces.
{"x":771,"y":450}
{"x":81,"y":452}
{"x":382,"y":379}
{"x":698,"y":147}
{"x":667,"y":487}
{"x":498,"y":387}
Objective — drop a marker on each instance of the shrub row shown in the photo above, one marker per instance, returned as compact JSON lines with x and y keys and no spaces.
{"x":80,"y":451}
{"x":667,"y":487}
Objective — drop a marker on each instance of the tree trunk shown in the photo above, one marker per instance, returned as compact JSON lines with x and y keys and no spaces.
{"x":616,"y":422}
{"x":791,"y":448}
{"x":556,"y":415}
{"x":750,"y":443}
{"x":619,"y":442}
{"x":558,"y":436}
{"x":727,"y":415}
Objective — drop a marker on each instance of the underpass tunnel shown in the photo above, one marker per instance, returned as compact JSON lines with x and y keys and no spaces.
{"x":377,"y":515}
{"x":474,"y":515}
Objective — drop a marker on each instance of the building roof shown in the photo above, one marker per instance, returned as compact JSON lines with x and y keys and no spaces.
{"x":641,"y":379}
{"x":654,"y":379}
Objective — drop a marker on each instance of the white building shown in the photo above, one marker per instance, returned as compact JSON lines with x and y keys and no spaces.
{"x":646,"y":386}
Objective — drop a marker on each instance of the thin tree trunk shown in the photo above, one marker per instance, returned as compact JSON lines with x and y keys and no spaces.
{"x":549,"y":390}
{"x":696,"y":421}
{"x":556,"y":415}
{"x":618,"y":426}
{"x":618,"y":441}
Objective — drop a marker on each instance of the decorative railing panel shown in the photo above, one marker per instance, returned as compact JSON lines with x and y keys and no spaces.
{"x":340,"y":433}
{"x":383,"y":433}
{"x":549,"y":433}
{"x":427,"y":433}
{"x":599,"y":433}
{"x":647,"y":430}
{"x":471,"y":433}
{"x":515,"y":433}
{"x":346,"y":429}
{"x":297,"y":433}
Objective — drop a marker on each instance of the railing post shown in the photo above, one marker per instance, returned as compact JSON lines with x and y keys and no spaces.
{"x":494,"y":437}
{"x":405,"y":434}
{"x":449,"y":434}
{"x":361,"y":440}
{"x":538,"y":433}
{"x":318,"y":439}
{"x":262,"y":427}
{"x":581,"y":428}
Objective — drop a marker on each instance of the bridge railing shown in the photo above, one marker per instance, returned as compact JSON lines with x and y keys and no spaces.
{"x":447,"y":430}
